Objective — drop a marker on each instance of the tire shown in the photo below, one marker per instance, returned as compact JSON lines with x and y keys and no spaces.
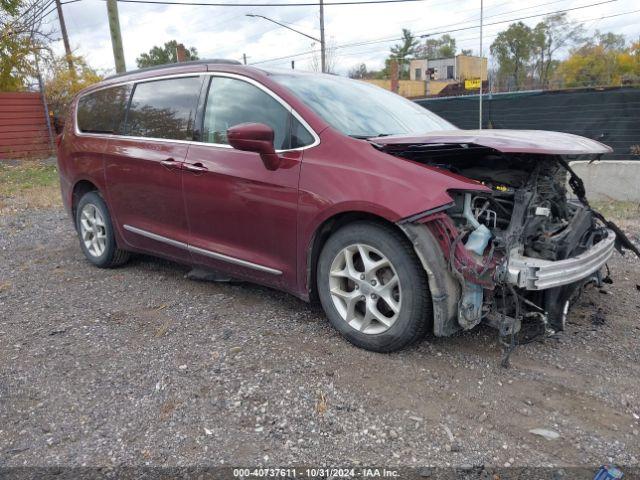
{"x":95,"y":231}
{"x":384,"y":317}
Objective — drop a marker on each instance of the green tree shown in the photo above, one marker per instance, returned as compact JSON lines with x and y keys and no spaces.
{"x":549,"y":36}
{"x":16,"y":63}
{"x":22,"y":38}
{"x":10,"y":6}
{"x":163,"y":55}
{"x":611,"y":41}
{"x":403,"y":52}
{"x":443,"y":47}
{"x":513,"y":49}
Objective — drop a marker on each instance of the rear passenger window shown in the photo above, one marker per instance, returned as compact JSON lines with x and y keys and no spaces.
{"x":231,"y":101}
{"x":164,"y":109}
{"x":103,"y":111}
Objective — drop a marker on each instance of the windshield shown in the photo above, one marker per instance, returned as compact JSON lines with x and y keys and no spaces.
{"x":359,"y":109}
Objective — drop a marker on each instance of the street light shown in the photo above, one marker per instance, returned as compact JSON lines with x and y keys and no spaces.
{"x":319,"y":40}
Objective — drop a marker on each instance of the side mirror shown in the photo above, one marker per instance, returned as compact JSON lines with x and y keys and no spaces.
{"x":255,"y":137}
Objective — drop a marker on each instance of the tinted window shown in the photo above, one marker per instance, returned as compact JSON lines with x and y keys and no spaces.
{"x":103,"y":111}
{"x":164,"y":108}
{"x":231,"y":101}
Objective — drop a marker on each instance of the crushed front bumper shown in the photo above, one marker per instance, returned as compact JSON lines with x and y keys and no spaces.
{"x":537,"y":274}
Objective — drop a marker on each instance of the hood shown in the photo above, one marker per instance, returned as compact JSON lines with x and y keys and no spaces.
{"x":506,"y":141}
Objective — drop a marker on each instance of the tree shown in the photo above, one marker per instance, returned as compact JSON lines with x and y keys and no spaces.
{"x":330,"y":57}
{"x":358,"y":71}
{"x":164,"y":55}
{"x":512,"y":49}
{"x":61,"y":84}
{"x":610,"y":41}
{"x":443,"y":47}
{"x":22,"y":37}
{"x":10,"y":6}
{"x":605,"y":60}
{"x":549,"y":36}
{"x":16,"y":65}
{"x":403,"y":52}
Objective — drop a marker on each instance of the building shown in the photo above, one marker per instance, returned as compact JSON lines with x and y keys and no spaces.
{"x":441,"y":72}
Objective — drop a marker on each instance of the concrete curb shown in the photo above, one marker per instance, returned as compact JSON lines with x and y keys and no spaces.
{"x":610,"y":179}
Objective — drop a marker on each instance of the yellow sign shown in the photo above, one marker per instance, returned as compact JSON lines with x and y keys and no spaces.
{"x":473,"y":84}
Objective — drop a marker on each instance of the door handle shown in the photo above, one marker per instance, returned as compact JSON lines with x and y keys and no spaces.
{"x":170,"y":163}
{"x":195,"y":167}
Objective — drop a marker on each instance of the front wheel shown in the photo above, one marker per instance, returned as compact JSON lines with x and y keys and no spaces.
{"x":373,"y":288}
{"x":95,"y":230}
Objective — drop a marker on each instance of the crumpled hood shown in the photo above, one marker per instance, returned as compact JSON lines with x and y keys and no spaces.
{"x":506,"y":141}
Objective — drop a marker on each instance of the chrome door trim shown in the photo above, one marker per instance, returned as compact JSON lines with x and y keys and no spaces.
{"x":201,"y":251}
{"x":155,"y":236}
{"x":316,"y":137}
{"x":234,"y":260}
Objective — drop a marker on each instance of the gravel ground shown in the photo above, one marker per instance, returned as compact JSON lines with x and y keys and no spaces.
{"x":141,"y":366}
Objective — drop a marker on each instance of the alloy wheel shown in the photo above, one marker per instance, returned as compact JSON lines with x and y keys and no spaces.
{"x":365,"y":288}
{"x":93,"y":230}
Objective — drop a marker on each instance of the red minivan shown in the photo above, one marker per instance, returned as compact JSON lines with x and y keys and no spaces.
{"x":337,"y":190}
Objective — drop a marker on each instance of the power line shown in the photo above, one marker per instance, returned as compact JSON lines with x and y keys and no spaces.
{"x":304,"y":4}
{"x":432,"y":33}
{"x":475,"y":38}
{"x":385,"y":40}
{"x":29,"y":22}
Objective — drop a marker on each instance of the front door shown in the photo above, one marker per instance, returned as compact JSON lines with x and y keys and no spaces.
{"x":242,"y":217}
{"x":143,"y":166}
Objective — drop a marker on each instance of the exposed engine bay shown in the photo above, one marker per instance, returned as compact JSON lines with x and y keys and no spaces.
{"x":520,"y":250}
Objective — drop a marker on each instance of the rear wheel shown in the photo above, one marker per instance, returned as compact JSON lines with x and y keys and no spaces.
{"x":95,"y":231}
{"x":373,"y":288}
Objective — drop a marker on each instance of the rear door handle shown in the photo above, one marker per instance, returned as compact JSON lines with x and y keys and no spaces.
{"x":171,"y":163}
{"x":195,"y":167}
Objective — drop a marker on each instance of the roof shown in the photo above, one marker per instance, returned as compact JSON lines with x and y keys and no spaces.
{"x":170,"y":66}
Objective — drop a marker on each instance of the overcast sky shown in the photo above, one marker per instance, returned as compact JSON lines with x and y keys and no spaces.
{"x":226,"y":32}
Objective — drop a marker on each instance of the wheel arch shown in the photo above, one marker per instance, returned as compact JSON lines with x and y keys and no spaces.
{"x":80,"y":188}
{"x":322,"y":234}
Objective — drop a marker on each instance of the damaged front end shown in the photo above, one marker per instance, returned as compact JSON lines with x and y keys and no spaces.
{"x":519,"y":249}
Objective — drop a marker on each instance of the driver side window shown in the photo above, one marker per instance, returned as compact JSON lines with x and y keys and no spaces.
{"x":231,"y":101}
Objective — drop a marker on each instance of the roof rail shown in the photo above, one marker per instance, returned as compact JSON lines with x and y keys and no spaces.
{"x":175,"y":65}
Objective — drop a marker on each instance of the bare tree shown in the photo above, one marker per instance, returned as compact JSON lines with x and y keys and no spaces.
{"x":358,"y":71}
{"x":330,"y":57}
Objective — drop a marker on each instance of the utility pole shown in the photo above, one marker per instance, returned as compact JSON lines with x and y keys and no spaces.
{"x":116,"y":37}
{"x":65,"y":39}
{"x":481,"y":67}
{"x":244,"y":58}
{"x":323,"y":64}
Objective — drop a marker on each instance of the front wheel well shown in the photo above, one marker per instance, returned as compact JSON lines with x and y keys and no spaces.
{"x":322,"y":234}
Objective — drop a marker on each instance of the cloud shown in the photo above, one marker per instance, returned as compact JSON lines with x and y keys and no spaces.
{"x":226,"y":32}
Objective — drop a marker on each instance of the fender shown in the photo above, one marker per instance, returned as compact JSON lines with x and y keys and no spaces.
{"x":362,"y":179}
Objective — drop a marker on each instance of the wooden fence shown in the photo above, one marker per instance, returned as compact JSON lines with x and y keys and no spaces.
{"x":23,"y":126}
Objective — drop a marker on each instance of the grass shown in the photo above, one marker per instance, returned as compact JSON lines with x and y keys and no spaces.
{"x":33,"y":184}
{"x":28,"y":184}
{"x":617,"y":210}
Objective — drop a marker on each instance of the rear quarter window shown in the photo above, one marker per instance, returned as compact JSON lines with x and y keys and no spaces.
{"x":104,"y":111}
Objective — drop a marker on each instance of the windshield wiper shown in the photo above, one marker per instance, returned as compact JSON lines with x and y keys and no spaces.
{"x":366,"y":137}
